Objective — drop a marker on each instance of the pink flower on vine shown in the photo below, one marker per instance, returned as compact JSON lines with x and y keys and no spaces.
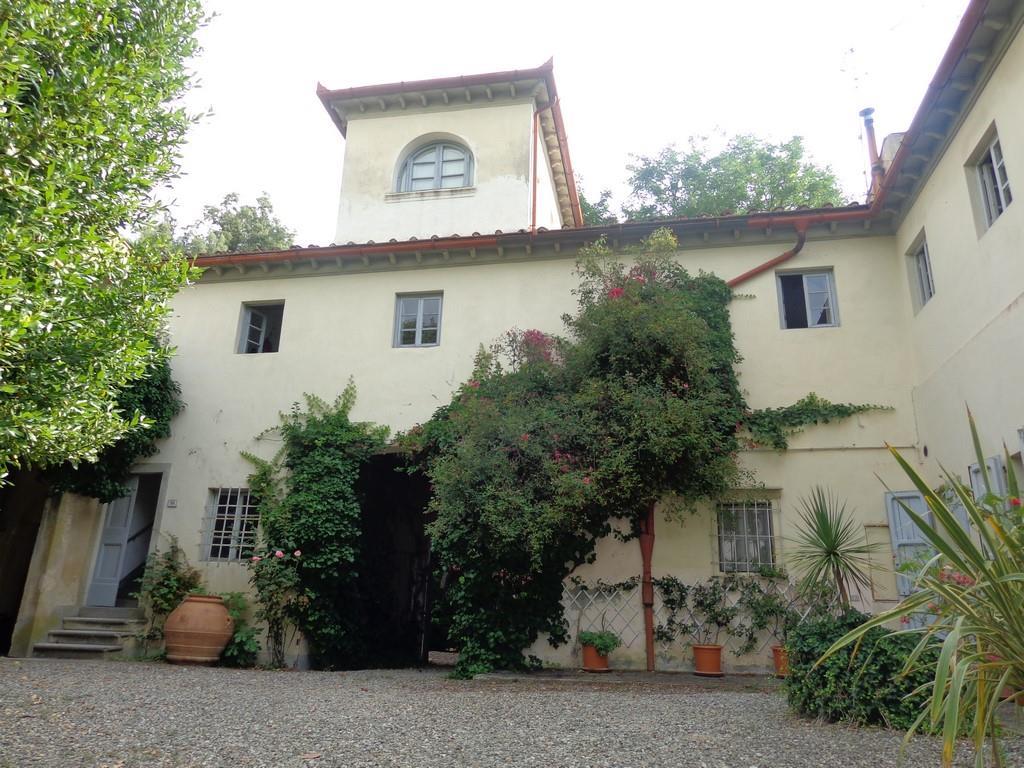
{"x":297,"y":553}
{"x":525,"y":437}
{"x":256,"y":558}
{"x":616,"y":293}
{"x":279,"y":553}
{"x":473,"y":384}
{"x":586,"y":481}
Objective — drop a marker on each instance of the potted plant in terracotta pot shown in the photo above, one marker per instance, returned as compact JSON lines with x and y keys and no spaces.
{"x":596,"y":647}
{"x":711,"y":615}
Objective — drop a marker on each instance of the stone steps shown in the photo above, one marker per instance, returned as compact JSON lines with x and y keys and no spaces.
{"x":95,"y":633}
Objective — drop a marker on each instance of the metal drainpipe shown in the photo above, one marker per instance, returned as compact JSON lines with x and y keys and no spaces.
{"x":876,"y":163}
{"x":533,"y":202}
{"x":801,"y":238}
{"x":647,"y":584}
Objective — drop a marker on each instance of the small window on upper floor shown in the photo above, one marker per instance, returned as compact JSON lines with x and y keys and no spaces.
{"x":418,"y":320}
{"x":807,"y":299}
{"x":261,"y":328}
{"x":437,"y":166}
{"x":921,"y":273}
{"x":995,"y":184}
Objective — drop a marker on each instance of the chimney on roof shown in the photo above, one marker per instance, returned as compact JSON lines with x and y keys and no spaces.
{"x":876,"y":164}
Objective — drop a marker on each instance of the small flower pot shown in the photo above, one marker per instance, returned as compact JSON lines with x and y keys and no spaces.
{"x":707,"y":660}
{"x":198,"y":630}
{"x":781,"y":658}
{"x":594,"y":661}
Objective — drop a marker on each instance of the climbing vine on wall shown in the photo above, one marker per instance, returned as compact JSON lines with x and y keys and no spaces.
{"x":554,"y":438}
{"x":309,"y":504}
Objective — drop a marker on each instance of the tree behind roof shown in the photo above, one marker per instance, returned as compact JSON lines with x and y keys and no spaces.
{"x":748,"y":176}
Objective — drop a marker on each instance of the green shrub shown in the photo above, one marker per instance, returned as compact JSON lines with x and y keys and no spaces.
{"x":167,"y":580}
{"x":604,"y":642}
{"x":868,"y":687}
{"x":243,"y":647}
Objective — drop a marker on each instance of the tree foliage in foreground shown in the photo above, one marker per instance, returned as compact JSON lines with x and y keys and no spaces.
{"x":750,"y":175}
{"x":87,"y":131}
{"x":233,"y":228}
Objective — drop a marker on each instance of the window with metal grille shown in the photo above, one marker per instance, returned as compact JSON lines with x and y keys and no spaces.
{"x":995,"y":184}
{"x":807,"y":299}
{"x":261,"y":328}
{"x":745,"y":541}
{"x":232,"y":518}
{"x":438,"y":166}
{"x":418,"y":320}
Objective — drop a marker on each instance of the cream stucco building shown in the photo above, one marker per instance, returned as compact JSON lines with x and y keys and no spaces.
{"x":458,"y":219}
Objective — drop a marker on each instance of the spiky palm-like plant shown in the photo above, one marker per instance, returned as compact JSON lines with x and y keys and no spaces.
{"x":973,"y":588}
{"x":830,"y":547}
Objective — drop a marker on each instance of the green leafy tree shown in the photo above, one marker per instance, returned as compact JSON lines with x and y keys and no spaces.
{"x":599,"y":211}
{"x":157,"y":397}
{"x":748,"y":176}
{"x":88,"y":129}
{"x":233,"y":228}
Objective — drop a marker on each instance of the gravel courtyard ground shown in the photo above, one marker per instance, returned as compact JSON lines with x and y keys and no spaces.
{"x":127,"y":714}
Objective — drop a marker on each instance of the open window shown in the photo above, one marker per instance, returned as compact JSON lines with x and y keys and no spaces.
{"x":261,"y":328}
{"x":807,"y":299}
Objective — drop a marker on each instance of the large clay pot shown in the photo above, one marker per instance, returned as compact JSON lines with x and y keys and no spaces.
{"x":594,"y":661}
{"x":707,"y":660}
{"x":197,"y":630}
{"x":781,"y":658}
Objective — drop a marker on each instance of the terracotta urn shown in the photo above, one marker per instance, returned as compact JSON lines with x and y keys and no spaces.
{"x":197,"y":630}
{"x":781,"y":658}
{"x":594,"y":661}
{"x":707,"y":660}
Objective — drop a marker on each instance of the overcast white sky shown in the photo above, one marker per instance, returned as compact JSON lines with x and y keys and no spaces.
{"x":632,"y":78}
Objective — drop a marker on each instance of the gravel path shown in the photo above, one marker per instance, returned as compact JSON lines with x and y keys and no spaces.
{"x":122,"y":715}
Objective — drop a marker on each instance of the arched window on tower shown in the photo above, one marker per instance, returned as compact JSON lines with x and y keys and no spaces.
{"x":437,"y":166}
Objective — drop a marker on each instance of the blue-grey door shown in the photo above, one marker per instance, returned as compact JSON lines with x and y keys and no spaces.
{"x":106,"y":575}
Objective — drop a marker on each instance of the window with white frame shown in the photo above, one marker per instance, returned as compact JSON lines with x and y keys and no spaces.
{"x":994,"y":182}
{"x":807,"y":299}
{"x":232,"y":517}
{"x":438,"y":166}
{"x":418,"y":320}
{"x":261,"y":328}
{"x":745,"y":540}
{"x":921,"y":266}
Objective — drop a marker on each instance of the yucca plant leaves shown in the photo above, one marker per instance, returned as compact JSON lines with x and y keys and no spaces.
{"x":974,"y":588}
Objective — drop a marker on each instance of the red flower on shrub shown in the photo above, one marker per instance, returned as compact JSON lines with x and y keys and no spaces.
{"x":525,"y":437}
{"x":616,"y":293}
{"x":1014,"y":501}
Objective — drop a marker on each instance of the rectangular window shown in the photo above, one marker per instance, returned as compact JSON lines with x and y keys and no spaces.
{"x":807,"y":299}
{"x":922,"y":268}
{"x":261,"y":328}
{"x":745,"y":541}
{"x":232,"y":516}
{"x":418,"y":320}
{"x":995,"y":184}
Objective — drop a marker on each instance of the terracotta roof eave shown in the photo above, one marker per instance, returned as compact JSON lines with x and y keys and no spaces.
{"x":459,"y":81}
{"x":625,"y":229}
{"x":969,"y":22}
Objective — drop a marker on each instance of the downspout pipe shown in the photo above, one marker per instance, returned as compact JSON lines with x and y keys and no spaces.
{"x":801,"y":238}
{"x":533,"y":195}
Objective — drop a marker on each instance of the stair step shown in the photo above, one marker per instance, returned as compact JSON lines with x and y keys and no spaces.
{"x":100,"y":612}
{"x":123,"y":626}
{"x":74,"y":650}
{"x":91,"y":636}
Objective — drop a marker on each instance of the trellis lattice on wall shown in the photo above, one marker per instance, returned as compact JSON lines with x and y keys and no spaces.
{"x":618,"y":608}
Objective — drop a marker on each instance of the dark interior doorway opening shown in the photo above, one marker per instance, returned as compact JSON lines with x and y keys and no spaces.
{"x":21,"y":510}
{"x":395,"y":572}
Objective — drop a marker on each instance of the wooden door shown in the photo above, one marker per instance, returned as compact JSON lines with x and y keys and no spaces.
{"x":106,"y":575}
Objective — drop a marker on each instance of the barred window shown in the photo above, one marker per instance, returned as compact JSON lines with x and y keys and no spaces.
{"x":745,"y":542}
{"x":231,"y":521}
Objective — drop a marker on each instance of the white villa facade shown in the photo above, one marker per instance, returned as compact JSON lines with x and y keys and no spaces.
{"x":459,"y":219}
